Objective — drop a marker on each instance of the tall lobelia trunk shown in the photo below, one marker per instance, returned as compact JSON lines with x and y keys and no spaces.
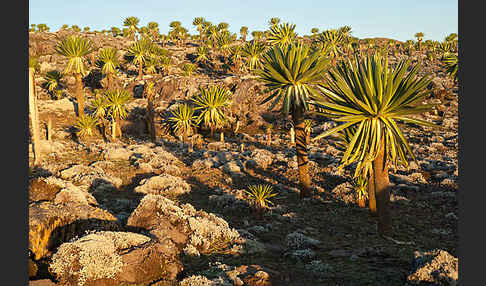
{"x":113,"y":129}
{"x":382,"y":191}
{"x":362,"y":202}
{"x":302,"y":156}
{"x":372,"y":196}
{"x":49,"y":129}
{"x":80,"y":94}
{"x":140,"y":70}
{"x":109,"y":78}
{"x":292,"y":135}
{"x":34,"y":119}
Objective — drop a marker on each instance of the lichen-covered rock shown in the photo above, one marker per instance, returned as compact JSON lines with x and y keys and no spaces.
{"x":88,"y":175}
{"x":160,"y":160}
{"x":115,"y":258}
{"x":40,"y":189}
{"x":260,"y":158}
{"x":196,"y":280}
{"x":116,"y":154}
{"x":297,"y":240}
{"x":436,"y":266}
{"x":50,"y":224}
{"x":75,"y":195}
{"x":163,"y":185}
{"x":183,"y":224}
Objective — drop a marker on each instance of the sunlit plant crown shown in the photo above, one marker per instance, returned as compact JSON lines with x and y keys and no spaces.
{"x":290,"y":73}
{"x":371,"y":97}
{"x":75,"y":48}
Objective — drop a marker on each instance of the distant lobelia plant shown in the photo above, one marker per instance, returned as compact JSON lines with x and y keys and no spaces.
{"x":212,"y":102}
{"x":140,"y":51}
{"x":86,"y":125}
{"x":198,"y":22}
{"x":183,"y":120}
{"x":372,"y":97}
{"x":252,"y":52}
{"x":202,"y":54}
{"x":131,"y":23}
{"x":188,"y":69}
{"x":75,"y":49}
{"x":333,"y":39}
{"x":450,"y":62}
{"x":259,"y":196}
{"x":53,"y":79}
{"x":116,"y":101}
{"x":282,"y":35}
{"x":108,"y":59}
{"x":243,"y":33}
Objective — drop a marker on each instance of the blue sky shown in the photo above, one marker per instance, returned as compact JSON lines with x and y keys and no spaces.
{"x":397,"y":19}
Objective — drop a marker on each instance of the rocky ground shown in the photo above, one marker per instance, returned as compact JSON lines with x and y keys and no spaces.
{"x":135,"y":212}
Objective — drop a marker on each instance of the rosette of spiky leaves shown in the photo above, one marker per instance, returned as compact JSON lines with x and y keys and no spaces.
{"x":260,"y":195}
{"x":444,"y":48}
{"x":131,"y":23}
{"x":100,"y":106}
{"x":324,"y":48}
{"x":166,"y":63}
{"x":86,"y":125}
{"x":371,"y":96}
{"x":202,"y":54}
{"x":52,"y":79}
{"x":188,"y":69}
{"x":290,"y":74}
{"x":223,"y":26}
{"x":450,"y":61}
{"x":253,"y":51}
{"x":273,"y":22}
{"x":236,"y":54}
{"x":333,"y":38}
{"x":75,"y":48}
{"x":141,"y":50}
{"x":183,"y":119}
{"x":257,"y":35}
{"x":345,"y":31}
{"x":223,"y":41}
{"x":282,"y":35}
{"x":211,"y":102}
{"x":109,"y":60}
{"x":116,"y":101}
{"x":151,"y":64}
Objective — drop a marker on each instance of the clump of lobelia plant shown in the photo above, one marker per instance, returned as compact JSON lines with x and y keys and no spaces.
{"x":371,"y":96}
{"x":188,"y":69}
{"x":259,"y":196}
{"x":75,"y":49}
{"x":116,"y":101}
{"x":53,"y":83}
{"x":183,"y":120}
{"x":212,"y":102}
{"x":86,"y":125}
{"x":291,"y":75}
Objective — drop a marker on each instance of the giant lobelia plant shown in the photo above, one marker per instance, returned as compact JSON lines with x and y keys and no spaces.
{"x":291,"y":74}
{"x":372,"y":97}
